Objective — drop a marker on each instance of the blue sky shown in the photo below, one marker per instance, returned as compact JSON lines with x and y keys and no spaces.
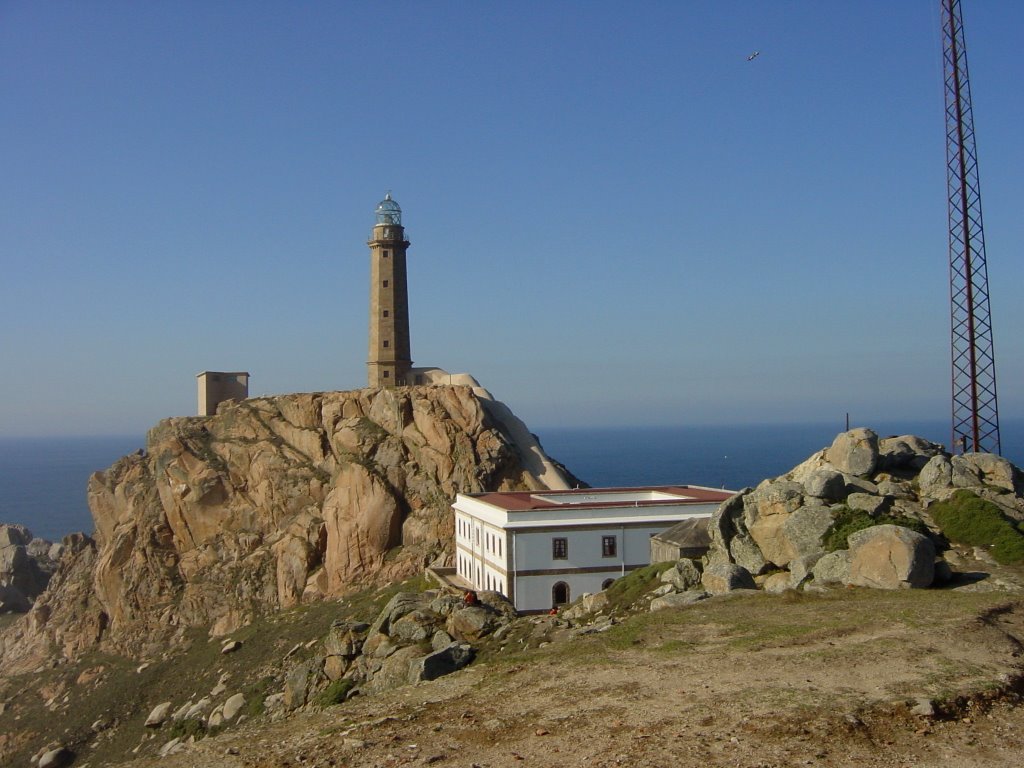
{"x":615,"y":218}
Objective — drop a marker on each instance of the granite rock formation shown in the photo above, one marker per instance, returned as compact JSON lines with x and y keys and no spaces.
{"x":271,"y":502}
{"x":417,"y":636}
{"x":26,"y":564}
{"x":777,"y":531}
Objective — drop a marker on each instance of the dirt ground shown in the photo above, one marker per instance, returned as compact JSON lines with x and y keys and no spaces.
{"x":753,"y":681}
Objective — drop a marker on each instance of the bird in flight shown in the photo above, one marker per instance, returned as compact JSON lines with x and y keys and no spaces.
{"x":753,"y":56}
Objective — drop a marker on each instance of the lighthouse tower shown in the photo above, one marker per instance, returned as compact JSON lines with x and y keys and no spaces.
{"x":390,"y":360}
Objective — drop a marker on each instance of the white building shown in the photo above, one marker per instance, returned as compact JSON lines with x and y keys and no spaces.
{"x":546,"y":548}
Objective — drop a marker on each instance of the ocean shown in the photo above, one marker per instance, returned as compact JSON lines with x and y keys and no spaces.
{"x":43,"y":480}
{"x":730,"y":457}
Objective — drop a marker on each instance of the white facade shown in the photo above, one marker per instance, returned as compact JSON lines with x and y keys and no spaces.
{"x":546,"y":548}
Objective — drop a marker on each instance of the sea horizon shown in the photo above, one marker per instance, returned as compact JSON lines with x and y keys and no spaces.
{"x":43,"y":478}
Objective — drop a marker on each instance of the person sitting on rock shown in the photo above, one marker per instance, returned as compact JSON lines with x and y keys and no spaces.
{"x":470,"y":598}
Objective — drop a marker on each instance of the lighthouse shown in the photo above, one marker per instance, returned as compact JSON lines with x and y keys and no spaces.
{"x":389,"y":360}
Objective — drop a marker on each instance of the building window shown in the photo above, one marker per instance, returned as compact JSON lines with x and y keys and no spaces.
{"x":386,"y":343}
{"x":419,"y":379}
{"x":387,"y":374}
{"x":387,"y":313}
{"x":560,"y":594}
{"x":559,"y":548}
{"x":387,"y":253}
{"x":499,"y":546}
{"x":385,"y":283}
{"x":607,"y":583}
{"x":608,"y":546}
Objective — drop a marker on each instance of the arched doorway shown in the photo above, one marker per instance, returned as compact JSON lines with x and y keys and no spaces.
{"x":560,"y":593}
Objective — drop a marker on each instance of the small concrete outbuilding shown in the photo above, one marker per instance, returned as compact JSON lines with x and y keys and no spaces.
{"x":217,"y":386}
{"x":688,"y":538}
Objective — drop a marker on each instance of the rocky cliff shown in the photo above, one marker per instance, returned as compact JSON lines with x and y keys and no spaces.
{"x":272,"y":502}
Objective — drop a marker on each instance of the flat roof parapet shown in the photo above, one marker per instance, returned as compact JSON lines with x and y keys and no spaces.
{"x":596,"y":498}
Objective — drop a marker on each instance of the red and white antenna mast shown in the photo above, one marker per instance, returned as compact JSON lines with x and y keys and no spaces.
{"x":975,"y":410}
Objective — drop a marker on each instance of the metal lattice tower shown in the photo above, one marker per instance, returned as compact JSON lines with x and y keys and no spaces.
{"x":975,"y":411}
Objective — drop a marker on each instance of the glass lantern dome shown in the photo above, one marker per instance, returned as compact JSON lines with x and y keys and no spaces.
{"x":388,"y":211}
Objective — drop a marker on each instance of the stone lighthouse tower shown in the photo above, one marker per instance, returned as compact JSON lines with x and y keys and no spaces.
{"x":390,"y":359}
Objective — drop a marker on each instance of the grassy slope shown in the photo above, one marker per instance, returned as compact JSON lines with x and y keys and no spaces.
{"x":783,"y":674}
{"x":847,"y":649}
{"x":110,"y":689}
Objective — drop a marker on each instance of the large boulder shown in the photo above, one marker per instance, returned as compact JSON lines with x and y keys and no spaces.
{"x":965,"y":473}
{"x":158,"y":715}
{"x":302,"y":681}
{"x":745,"y":553}
{"x":765,"y":511}
{"x":994,"y":470}
{"x":678,"y":599}
{"x":776,"y":583}
{"x":724,"y":524}
{"x":25,"y":567}
{"x":441,"y":662}
{"x":854,"y":452}
{"x":722,"y":578}
{"x":14,"y":535}
{"x":800,"y":568}
{"x":598,"y":601}
{"x":873,"y":504}
{"x":906,"y":453}
{"x":56,"y":758}
{"x":891,"y":557}
{"x":14,"y":561}
{"x":398,"y":669}
{"x":936,"y":476}
{"x":498,"y":604}
{"x":345,"y":638}
{"x":804,"y":531}
{"x":472,"y":622}
{"x":415,"y":627}
{"x":684,"y":575}
{"x":826,"y":484}
{"x":233,"y":706}
{"x":832,"y":568}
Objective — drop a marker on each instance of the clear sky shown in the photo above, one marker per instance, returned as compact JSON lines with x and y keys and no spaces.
{"x":615,"y":217}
